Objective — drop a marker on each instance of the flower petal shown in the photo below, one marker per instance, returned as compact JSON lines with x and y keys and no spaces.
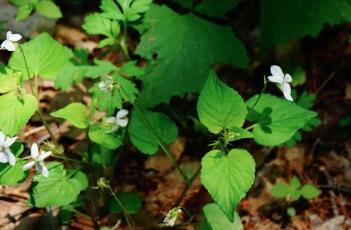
{"x":2,"y":138}
{"x":276,"y":79}
{"x":122,"y":113}
{"x":287,"y":91}
{"x":3,"y":157}
{"x":11,"y":158}
{"x":28,"y":165}
{"x":15,"y":37}
{"x":111,"y":120}
{"x":8,"y":35}
{"x":9,"y":141}
{"x":34,"y":151}
{"x":287,"y":78}
{"x":276,"y":71}
{"x":44,"y":155}
{"x":43,"y":170}
{"x":8,"y":45}
{"x":122,"y":122}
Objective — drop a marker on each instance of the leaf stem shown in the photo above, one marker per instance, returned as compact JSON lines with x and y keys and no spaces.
{"x":262,"y":91}
{"x":157,"y":139}
{"x":124,"y":210}
{"x":35,"y":93}
{"x":124,"y":39}
{"x":187,"y":187}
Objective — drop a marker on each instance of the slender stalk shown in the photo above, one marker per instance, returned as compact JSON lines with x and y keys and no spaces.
{"x":35,"y":93}
{"x":187,"y":187}
{"x":124,"y":39}
{"x":251,"y":126}
{"x":66,"y":158}
{"x":157,"y":139}
{"x":124,"y":210}
{"x":262,"y":91}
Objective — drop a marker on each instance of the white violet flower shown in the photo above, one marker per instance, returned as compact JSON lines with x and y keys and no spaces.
{"x":106,"y":84}
{"x":10,"y":43}
{"x":282,"y":80}
{"x":6,"y":156}
{"x":38,"y":160}
{"x":120,"y":120}
{"x":172,"y":216}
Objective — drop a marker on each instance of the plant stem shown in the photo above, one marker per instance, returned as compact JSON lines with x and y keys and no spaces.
{"x":251,"y":126}
{"x":157,"y":139}
{"x":67,"y":158}
{"x":124,"y":210}
{"x":262,"y":91}
{"x":35,"y":93}
{"x":187,"y":187}
{"x":124,"y":39}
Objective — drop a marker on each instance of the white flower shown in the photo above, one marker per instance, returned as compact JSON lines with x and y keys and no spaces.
{"x":106,"y":84}
{"x":5,"y":152}
{"x":172,"y":216}
{"x":38,"y":160}
{"x":10,"y":43}
{"x":282,"y":80}
{"x":120,"y":120}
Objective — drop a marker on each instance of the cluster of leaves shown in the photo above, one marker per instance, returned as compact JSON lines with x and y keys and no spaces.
{"x":47,"y":8}
{"x":180,"y":50}
{"x":294,"y":191}
{"x":114,"y":13}
{"x":305,"y":101}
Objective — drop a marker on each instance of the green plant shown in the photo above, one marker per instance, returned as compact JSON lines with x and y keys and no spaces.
{"x":47,"y":8}
{"x":179,"y":51}
{"x":294,"y":191}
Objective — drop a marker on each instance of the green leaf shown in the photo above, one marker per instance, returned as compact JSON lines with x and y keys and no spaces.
{"x":291,"y":211}
{"x":102,"y":136}
{"x":310,"y":191}
{"x":228,"y":177}
{"x":185,"y":3}
{"x":11,"y":175}
{"x":75,"y":113}
{"x":124,"y":90}
{"x":131,"y":69}
{"x":146,"y":127}
{"x":24,"y":2}
{"x":186,"y":47}
{"x":9,"y":79}
{"x":48,"y":9}
{"x":280,"y":190}
{"x":45,"y":57}
{"x":101,"y":68}
{"x":219,"y":106}
{"x":295,"y":183}
{"x":135,"y":9}
{"x":239,"y":133}
{"x":60,"y":188}
{"x":218,"y":221}
{"x":111,"y":10}
{"x":97,"y":24}
{"x":282,"y":21}
{"x":103,"y":156}
{"x":15,"y":111}
{"x":23,"y":12}
{"x":215,"y":7}
{"x":277,"y":119}
{"x":131,"y":201}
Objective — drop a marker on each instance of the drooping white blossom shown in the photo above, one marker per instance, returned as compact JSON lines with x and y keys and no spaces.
{"x":10,"y":43}
{"x":38,"y":160}
{"x":282,"y":80}
{"x":120,"y":120}
{"x":172,"y":216}
{"x":106,"y":84}
{"x":6,"y":156}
